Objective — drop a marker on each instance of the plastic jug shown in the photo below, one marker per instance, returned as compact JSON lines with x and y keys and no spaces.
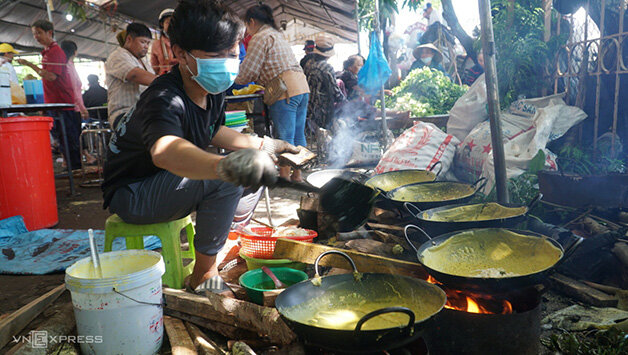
{"x":5,"y":90}
{"x":34,"y":90}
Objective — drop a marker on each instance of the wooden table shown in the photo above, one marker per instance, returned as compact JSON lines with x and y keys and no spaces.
{"x":4,"y":111}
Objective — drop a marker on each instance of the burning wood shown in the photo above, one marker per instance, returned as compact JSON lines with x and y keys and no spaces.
{"x":473,"y":303}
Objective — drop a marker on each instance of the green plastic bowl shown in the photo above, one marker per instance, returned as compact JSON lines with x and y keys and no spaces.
{"x":255,"y":263}
{"x":255,"y":282}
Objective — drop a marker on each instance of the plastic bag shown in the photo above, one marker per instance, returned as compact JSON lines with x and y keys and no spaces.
{"x":419,"y":147}
{"x":250,"y":89}
{"x":375,"y":71}
{"x":18,"y":96}
{"x":469,"y":110}
{"x":366,"y":149}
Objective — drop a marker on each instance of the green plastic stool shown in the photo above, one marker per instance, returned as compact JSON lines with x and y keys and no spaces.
{"x":168,"y":233}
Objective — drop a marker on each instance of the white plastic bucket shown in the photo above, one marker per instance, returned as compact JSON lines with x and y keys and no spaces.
{"x":122,"y":312}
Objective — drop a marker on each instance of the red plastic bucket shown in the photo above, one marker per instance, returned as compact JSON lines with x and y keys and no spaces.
{"x":27,"y":183}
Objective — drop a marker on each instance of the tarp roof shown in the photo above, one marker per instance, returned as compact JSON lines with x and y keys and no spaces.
{"x":95,"y":36}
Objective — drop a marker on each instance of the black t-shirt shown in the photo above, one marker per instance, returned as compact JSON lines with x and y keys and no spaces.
{"x":163,"y":109}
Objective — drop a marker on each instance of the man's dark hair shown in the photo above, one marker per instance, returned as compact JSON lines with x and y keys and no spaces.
{"x":206,"y":25}
{"x":92,"y":79}
{"x":135,"y":30}
{"x":44,"y":25}
{"x":261,"y":13}
{"x":69,"y":48}
{"x":350,"y":61}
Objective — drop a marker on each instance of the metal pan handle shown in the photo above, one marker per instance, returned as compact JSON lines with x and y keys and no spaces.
{"x":355,"y":269}
{"x":407,"y":329}
{"x":534,"y":201}
{"x":405,"y":233}
{"x":438,"y":163}
{"x":479,"y":184}
{"x":380,"y":191}
{"x":569,"y":250}
{"x":412,"y":209}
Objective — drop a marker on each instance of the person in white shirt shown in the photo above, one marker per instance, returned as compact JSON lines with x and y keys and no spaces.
{"x":6,"y":57}
{"x":432,"y":16}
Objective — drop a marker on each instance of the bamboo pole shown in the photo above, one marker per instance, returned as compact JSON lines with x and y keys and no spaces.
{"x":357,"y":24}
{"x":378,"y":28}
{"x":492,"y":91}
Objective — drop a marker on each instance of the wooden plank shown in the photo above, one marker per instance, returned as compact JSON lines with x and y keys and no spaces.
{"x":259,"y":319}
{"x":308,"y":252}
{"x":180,"y":341}
{"x":61,"y":323}
{"x":621,"y":252}
{"x":391,"y":228}
{"x":19,"y":319}
{"x":582,"y":292}
{"x":203,"y":343}
{"x":229,"y":331}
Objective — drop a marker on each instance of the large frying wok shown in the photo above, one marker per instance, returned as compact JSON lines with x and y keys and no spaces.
{"x":490,"y":259}
{"x":433,"y":194}
{"x":301,"y":306}
{"x":393,"y":179}
{"x":450,"y":218}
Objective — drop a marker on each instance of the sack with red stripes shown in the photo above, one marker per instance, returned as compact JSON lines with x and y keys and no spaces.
{"x":419,"y":147}
{"x":527,"y":126}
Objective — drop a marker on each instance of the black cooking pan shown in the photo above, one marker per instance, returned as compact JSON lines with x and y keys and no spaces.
{"x":350,"y":201}
{"x":393,"y":179}
{"x":433,"y":194}
{"x":451,"y":258}
{"x":300,"y":305}
{"x":450,"y":218}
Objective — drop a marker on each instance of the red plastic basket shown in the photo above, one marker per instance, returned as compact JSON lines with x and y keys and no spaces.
{"x":263,"y":246}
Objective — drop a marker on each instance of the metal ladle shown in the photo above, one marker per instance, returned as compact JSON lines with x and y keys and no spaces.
{"x":94,"y":252}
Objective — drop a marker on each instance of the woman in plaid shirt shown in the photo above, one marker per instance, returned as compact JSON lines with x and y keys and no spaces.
{"x":270,"y":62}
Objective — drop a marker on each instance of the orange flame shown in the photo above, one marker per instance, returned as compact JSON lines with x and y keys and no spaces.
{"x":458,"y":301}
{"x":472,"y":306}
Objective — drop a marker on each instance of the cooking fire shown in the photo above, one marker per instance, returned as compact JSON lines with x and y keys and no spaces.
{"x":473,"y":302}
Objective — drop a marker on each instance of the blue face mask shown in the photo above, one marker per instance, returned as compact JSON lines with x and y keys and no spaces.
{"x":215,"y":75}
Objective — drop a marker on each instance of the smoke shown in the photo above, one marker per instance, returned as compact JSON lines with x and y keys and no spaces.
{"x":354,"y":137}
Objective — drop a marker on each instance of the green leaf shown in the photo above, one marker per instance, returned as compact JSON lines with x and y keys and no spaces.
{"x":537,"y":163}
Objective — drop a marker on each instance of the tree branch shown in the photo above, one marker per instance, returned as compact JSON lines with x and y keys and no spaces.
{"x":452,"y":20}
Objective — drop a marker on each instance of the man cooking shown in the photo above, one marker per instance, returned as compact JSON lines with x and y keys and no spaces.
{"x":157,"y":166}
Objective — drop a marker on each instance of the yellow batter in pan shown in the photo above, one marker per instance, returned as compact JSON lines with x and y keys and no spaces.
{"x":473,"y":213}
{"x":491,"y":253}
